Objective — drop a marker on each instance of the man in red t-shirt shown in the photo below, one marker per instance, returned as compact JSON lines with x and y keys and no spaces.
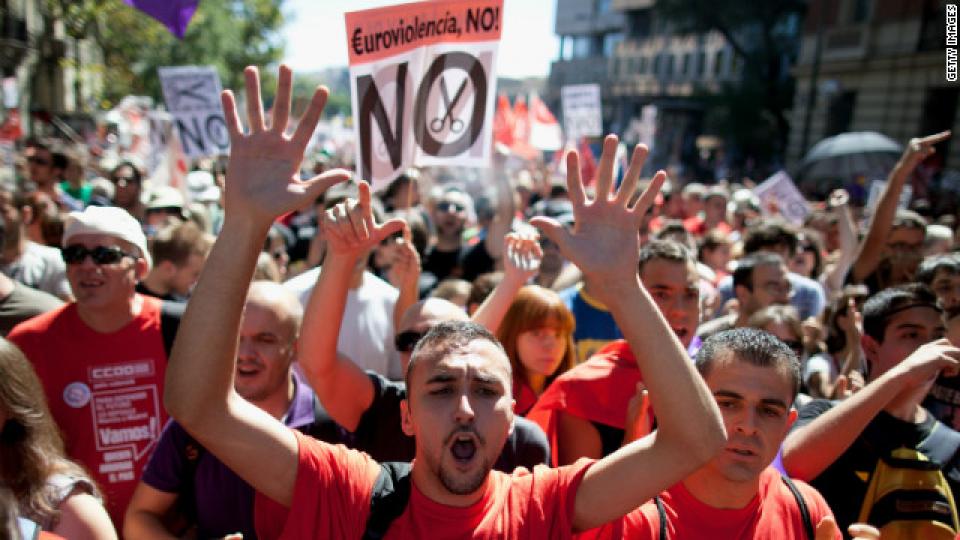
{"x":459,"y":405}
{"x":101,"y":359}
{"x":754,"y":378}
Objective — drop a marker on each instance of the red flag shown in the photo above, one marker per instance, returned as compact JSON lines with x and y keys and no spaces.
{"x":521,"y":118}
{"x":503,"y":121}
{"x":588,"y":162}
{"x":545,"y":133}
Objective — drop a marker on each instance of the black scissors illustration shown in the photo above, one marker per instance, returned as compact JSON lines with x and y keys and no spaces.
{"x":456,"y":125}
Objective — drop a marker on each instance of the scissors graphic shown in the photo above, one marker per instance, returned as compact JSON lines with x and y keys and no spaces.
{"x":456,"y":125}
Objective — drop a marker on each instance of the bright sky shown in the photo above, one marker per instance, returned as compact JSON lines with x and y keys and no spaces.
{"x":316,"y":35}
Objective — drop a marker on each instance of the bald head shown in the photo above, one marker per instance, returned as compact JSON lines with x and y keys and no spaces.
{"x":426,"y":314}
{"x":273,"y":297}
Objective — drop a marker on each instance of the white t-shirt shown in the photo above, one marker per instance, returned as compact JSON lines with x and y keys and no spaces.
{"x":366,"y":334}
{"x":40,"y":267}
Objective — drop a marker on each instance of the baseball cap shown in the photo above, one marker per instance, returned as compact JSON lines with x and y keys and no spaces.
{"x":108,"y":220}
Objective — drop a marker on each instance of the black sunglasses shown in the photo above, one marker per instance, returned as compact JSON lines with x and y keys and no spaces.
{"x":406,"y":341}
{"x":76,"y":253}
{"x":449,"y":206}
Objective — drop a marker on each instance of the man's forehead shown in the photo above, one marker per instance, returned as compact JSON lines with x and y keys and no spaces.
{"x":730,"y":375}
{"x":669,"y":273}
{"x":925,"y":317}
{"x":479,"y":357}
{"x":94,"y":239}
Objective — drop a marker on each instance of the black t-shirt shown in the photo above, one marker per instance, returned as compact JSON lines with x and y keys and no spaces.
{"x":443,"y":264}
{"x":844,"y":483}
{"x":380,"y":435}
{"x":169,"y":297}
{"x":476,"y":261}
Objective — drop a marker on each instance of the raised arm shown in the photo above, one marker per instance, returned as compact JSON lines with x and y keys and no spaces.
{"x":521,"y":262}
{"x":832,"y":279}
{"x":262,"y":183}
{"x":811,"y":448}
{"x":872,"y":248}
{"x":404,"y":274}
{"x":605,"y":244}
{"x":343,"y":388}
{"x":503,"y":219}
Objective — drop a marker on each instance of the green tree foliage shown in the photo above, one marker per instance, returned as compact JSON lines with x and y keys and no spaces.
{"x":226,"y":34}
{"x":764,"y":36}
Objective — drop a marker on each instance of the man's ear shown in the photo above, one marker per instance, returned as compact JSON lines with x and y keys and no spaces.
{"x":741,"y":293}
{"x":406,"y":419}
{"x":871,"y":349}
{"x":141,"y":269}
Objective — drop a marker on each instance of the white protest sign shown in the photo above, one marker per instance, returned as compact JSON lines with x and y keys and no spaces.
{"x":422,"y":81}
{"x":876,"y":188}
{"x":582,"y":113}
{"x":780,"y":190}
{"x":192,"y":94}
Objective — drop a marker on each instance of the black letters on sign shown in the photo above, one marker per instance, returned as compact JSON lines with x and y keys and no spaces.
{"x":372,"y":104}
{"x":477,"y":75}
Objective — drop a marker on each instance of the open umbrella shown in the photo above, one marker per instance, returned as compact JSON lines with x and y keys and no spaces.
{"x":836,"y":161}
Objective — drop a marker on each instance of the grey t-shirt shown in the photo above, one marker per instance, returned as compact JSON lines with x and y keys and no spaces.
{"x":24,"y":303}
{"x":40,"y":267}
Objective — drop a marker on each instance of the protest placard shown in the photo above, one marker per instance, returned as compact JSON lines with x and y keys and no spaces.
{"x":779,"y":191}
{"x":192,"y":95}
{"x":422,"y":81}
{"x":876,"y":188}
{"x":582,"y":113}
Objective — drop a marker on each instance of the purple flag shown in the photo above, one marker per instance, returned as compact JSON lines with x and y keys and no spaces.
{"x":174,"y":14}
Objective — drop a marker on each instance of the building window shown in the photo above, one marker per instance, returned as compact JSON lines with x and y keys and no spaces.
{"x":860,"y":11}
{"x":656,"y":65}
{"x":685,"y":70}
{"x":718,"y":60}
{"x":840,"y":113}
{"x":669,"y":65}
{"x":642,"y":68}
{"x":603,"y":6}
{"x":610,"y":42}
{"x":701,"y":63}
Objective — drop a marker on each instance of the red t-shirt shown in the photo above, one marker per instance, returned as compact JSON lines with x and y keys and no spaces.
{"x":331,"y":499}
{"x":105,"y":392}
{"x":772,"y":515}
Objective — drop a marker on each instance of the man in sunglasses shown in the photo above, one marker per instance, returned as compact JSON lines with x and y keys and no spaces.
{"x":459,"y":404}
{"x":102,"y":358}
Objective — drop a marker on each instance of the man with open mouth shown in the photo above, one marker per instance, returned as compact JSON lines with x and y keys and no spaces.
{"x":459,"y":406}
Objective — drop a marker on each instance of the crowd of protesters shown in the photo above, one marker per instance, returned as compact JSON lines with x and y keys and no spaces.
{"x":273,"y":350}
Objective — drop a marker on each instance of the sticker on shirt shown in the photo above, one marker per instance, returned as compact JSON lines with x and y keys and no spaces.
{"x":76,"y":394}
{"x":127,"y":425}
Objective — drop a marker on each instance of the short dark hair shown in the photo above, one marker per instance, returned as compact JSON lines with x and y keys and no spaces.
{"x":878,"y":309}
{"x":934,"y":263}
{"x":753,"y":346}
{"x":447,"y":337}
{"x":743,"y":274}
{"x":770,"y":234}
{"x":482,"y":286}
{"x":137,"y":173}
{"x":668,"y":250}
{"x":177,"y":242}
{"x":673,"y":229}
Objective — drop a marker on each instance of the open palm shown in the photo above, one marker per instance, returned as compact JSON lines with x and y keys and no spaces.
{"x":263,"y":172}
{"x":605,"y":240}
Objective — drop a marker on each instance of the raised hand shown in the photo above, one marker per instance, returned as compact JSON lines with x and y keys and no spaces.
{"x":605,"y":241}
{"x":522,"y":256}
{"x":920,"y":148}
{"x":263,"y":172}
{"x":405,"y":266}
{"x":350,"y":228}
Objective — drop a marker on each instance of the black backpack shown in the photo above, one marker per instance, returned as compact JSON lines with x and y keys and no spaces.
{"x":389,"y":499}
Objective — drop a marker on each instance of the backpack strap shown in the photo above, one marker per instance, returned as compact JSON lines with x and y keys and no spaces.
{"x":170,"y":315}
{"x":389,"y":499}
{"x":802,"y":504}
{"x":662,"y":513}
